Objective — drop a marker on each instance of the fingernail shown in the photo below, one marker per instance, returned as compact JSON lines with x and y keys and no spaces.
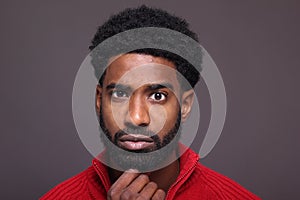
{"x":133,"y":170}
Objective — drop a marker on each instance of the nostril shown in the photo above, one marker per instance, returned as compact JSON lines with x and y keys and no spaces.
{"x":141,"y":120}
{"x":132,"y":125}
{"x":140,"y":117}
{"x":143,"y":124}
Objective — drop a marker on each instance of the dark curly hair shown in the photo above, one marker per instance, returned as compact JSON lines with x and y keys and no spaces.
{"x":141,"y":17}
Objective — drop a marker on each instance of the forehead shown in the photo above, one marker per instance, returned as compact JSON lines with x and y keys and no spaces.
{"x":137,"y":69}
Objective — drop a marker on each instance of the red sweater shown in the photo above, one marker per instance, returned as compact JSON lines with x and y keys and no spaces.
{"x":193,"y":183}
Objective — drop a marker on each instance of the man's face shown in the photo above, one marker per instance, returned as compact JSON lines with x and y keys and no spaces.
{"x":139,"y":104}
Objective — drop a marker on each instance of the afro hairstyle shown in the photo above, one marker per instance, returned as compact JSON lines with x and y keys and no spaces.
{"x":141,"y":17}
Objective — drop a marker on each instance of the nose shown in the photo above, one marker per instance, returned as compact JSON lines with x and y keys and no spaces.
{"x":138,"y":113}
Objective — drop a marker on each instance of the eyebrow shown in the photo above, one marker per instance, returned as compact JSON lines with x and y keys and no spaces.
{"x":118,"y":86}
{"x":150,"y":86}
{"x":160,"y":86}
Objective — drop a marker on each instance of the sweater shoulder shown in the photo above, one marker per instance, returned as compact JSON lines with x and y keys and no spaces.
{"x":72,"y":188}
{"x":222,"y":187}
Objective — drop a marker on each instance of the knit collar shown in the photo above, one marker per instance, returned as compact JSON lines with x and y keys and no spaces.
{"x":188,"y":161}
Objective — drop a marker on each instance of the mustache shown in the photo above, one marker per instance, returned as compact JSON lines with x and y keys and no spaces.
{"x":140,"y":131}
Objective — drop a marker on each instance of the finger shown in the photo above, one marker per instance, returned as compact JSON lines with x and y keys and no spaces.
{"x":128,"y":196}
{"x":131,"y":192}
{"x":138,"y":184}
{"x":126,"y":178}
{"x":123,"y":181}
{"x":159,"y":195}
{"x":148,"y":191}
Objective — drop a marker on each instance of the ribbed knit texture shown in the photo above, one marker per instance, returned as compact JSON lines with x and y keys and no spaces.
{"x":195,"y":182}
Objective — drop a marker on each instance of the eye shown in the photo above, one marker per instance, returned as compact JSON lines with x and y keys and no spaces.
{"x":158,"y":96}
{"x":119,"y":94}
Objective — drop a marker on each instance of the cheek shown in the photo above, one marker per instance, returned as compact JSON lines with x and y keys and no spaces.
{"x":113,"y":115}
{"x":108,"y":117}
{"x":172,"y":114}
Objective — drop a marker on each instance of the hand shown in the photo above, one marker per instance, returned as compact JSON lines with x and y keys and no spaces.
{"x":133,"y":185}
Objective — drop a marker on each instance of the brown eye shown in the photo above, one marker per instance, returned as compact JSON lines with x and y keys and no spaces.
{"x":158,"y":96}
{"x":119,"y":94}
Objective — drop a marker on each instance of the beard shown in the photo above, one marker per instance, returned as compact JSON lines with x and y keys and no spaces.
{"x":145,"y":160}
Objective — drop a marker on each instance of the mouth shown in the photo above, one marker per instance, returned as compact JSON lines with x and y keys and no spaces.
{"x":135,"y":142}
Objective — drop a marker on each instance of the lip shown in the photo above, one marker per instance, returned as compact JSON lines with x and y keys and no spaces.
{"x":135,"y":142}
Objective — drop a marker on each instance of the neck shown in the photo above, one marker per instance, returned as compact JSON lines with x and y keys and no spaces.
{"x":163,"y":177}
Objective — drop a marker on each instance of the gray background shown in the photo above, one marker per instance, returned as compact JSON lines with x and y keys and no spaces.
{"x":255,"y":44}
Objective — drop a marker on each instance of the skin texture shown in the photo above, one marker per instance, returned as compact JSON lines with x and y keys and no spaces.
{"x":141,"y":105}
{"x":132,"y":185}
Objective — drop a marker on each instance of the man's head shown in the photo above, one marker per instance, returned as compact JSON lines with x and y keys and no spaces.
{"x":141,"y":98}
{"x":142,"y":17}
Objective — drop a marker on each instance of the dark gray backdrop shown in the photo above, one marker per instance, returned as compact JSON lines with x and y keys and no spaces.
{"x":255,"y":44}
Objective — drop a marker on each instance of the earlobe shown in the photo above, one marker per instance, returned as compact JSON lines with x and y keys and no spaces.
{"x":98,"y":99}
{"x":187,"y":103}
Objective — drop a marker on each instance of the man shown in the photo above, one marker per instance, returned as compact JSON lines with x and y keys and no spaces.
{"x":141,"y":99}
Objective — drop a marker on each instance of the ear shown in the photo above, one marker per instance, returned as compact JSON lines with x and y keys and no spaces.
{"x":98,"y":99}
{"x":187,"y":100}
